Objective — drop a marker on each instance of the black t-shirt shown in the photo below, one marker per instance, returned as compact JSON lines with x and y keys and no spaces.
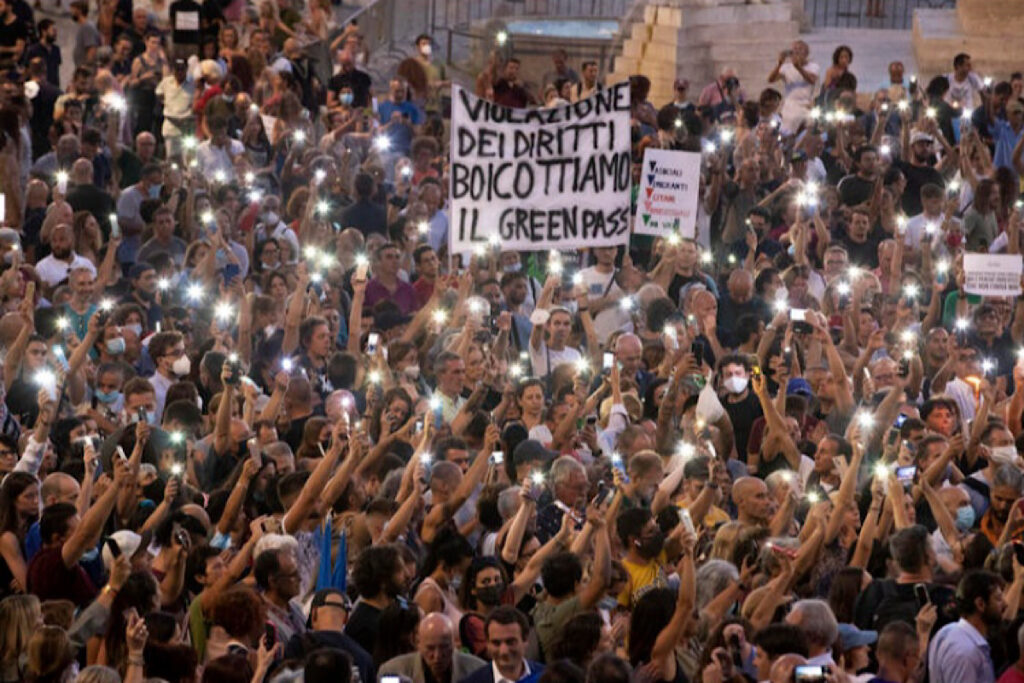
{"x":854,"y":190}
{"x":10,"y":34}
{"x":362,"y":625}
{"x":862,"y":253}
{"x":358,"y":81}
{"x":185,"y":16}
{"x":917,"y":177}
{"x":742,"y":415}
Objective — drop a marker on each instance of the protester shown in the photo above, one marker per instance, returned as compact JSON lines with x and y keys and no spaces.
{"x":264,"y":418}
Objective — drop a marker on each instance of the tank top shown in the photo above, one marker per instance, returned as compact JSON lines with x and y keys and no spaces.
{"x":448,"y":602}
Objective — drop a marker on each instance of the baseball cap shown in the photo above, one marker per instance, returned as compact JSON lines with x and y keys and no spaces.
{"x":532,"y":450}
{"x":129,"y":542}
{"x":798,"y":386}
{"x":920,"y":136}
{"x":850,"y":637}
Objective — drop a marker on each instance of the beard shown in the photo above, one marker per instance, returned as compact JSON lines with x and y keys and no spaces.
{"x":61,"y":254}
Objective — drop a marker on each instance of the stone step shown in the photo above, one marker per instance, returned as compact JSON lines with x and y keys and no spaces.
{"x":733,"y":15}
{"x":938,"y":34}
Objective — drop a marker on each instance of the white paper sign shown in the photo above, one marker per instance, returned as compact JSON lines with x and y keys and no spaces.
{"x":667,"y":201}
{"x":540,"y":179}
{"x":992,"y":274}
{"x":186,"y":21}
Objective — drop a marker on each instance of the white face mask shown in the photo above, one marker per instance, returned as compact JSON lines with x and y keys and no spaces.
{"x":182,"y":366}
{"x":425,"y":49}
{"x":735,"y":385}
{"x":412,"y":371}
{"x":136,"y":328}
{"x":1003,"y":455}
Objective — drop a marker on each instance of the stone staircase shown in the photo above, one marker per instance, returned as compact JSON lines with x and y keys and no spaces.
{"x":988,"y":30}
{"x":696,"y":40}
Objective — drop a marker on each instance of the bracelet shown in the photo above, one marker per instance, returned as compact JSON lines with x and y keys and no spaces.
{"x":136,"y":660}
{"x":110,"y":590}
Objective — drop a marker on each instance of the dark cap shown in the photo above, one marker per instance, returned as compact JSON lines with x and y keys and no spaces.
{"x":320,"y":598}
{"x":797,"y":156}
{"x":532,"y":450}
{"x":138,"y":269}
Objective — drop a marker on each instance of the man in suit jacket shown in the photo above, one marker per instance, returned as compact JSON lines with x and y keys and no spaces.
{"x":507,"y":629}
{"x":435,"y":652}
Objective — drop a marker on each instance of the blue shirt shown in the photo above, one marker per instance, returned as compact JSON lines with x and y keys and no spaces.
{"x":1006,"y":140}
{"x":959,"y":653}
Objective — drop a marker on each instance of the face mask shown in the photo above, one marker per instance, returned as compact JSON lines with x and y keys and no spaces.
{"x":271,"y":219}
{"x":412,"y":371}
{"x":107,"y":398}
{"x":181,"y":366}
{"x":650,"y":547}
{"x":346,"y":98}
{"x":607,"y":604}
{"x":269,"y":330}
{"x":135,"y":328}
{"x":425,"y":50}
{"x":964,"y":518}
{"x":228,"y":98}
{"x":513,"y":267}
{"x":1003,"y":455}
{"x":154,"y":192}
{"x":115,"y":346}
{"x":490,"y":595}
{"x":735,"y":385}
{"x":455,"y":583}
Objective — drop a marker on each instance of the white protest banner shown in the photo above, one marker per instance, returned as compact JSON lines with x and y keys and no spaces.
{"x":667,"y":201}
{"x":539,"y":179}
{"x":992,"y":274}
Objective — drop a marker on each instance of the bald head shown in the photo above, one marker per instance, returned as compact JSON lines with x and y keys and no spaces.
{"x":436,"y":624}
{"x":59,"y":488}
{"x":782,"y":668}
{"x":753,"y":503}
{"x":81,"y":172}
{"x":436,"y":644}
{"x":741,"y":286}
{"x":629,"y":351}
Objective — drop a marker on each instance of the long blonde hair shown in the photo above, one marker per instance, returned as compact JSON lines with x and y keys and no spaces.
{"x":20,"y":615}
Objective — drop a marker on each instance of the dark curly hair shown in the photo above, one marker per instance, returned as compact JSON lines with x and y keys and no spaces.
{"x":240,"y":612}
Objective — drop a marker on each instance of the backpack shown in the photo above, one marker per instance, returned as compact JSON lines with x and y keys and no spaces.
{"x":894,"y":606}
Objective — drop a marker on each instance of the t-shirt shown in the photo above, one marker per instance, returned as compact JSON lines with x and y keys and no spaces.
{"x":362,"y":625}
{"x":742,"y":415}
{"x":597,"y":285}
{"x":86,"y":37}
{"x":917,"y":177}
{"x":10,"y":34}
{"x":185,"y":22}
{"x":550,"y":621}
{"x":642,"y":578}
{"x":540,"y":358}
{"x":404,"y":296}
{"x":854,"y":190}
{"x":50,"y":579}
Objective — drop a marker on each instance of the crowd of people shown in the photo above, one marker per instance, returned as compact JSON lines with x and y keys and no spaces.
{"x":259,"y":424}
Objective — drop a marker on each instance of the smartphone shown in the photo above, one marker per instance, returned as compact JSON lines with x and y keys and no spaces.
{"x":115,"y":228}
{"x":608,"y":360}
{"x":798,"y":316}
{"x":140,"y":414}
{"x":361,"y":271}
{"x":619,"y":464}
{"x":270,"y":636}
{"x":898,"y":422}
{"x":372,"y":341}
{"x":921,"y":593}
{"x":231,"y":271}
{"x":757,"y":371}
{"x":687,"y":521}
{"x":390,"y":679}
{"x":419,"y":426}
{"x":568,"y":511}
{"x":497,"y":458}
{"x":602,"y":492}
{"x":115,"y":549}
{"x":810,"y":673}
{"x":591,"y":420}
{"x":903,"y":368}
{"x":905,"y":475}
{"x":119,"y":452}
{"x":697,"y":349}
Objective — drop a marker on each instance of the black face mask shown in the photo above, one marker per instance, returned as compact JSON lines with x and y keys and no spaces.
{"x":490,"y":595}
{"x":649,"y":547}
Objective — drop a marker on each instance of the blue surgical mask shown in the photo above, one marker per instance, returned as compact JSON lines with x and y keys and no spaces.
{"x":135,"y":328}
{"x":115,"y":346}
{"x":154,"y":191}
{"x":107,"y":398}
{"x":513,"y":267}
{"x":346,"y":98}
{"x":965,"y":518}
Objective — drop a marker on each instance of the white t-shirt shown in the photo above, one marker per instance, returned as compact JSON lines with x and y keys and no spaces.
{"x":539,"y":358}
{"x":965,"y":94}
{"x":52,"y":270}
{"x":612,"y":318}
{"x":798,"y":97}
